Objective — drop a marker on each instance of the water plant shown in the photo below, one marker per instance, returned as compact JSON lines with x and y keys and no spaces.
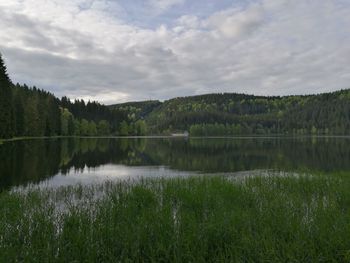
{"x":201,"y":219}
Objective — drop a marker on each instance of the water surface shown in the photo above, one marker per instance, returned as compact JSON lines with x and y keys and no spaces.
{"x":66,"y":161}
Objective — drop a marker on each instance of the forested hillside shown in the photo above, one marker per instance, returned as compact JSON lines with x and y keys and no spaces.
{"x":28,"y":111}
{"x":230,"y":114}
{"x":137,"y":110}
{"x":239,"y":114}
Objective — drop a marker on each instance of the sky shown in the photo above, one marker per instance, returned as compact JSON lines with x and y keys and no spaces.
{"x":114,"y":51}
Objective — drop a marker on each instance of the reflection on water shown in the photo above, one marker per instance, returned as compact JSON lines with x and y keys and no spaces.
{"x":87,"y":160}
{"x":109,"y":172}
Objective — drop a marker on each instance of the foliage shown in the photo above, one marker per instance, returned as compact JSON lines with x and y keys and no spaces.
{"x":205,"y":219}
{"x":67,"y":123}
{"x":124,"y":128}
{"x":26,"y":111}
{"x":84,"y":127}
{"x":140,"y":127}
{"x":137,"y":110}
{"x":95,"y":113}
{"x":6,"y":113}
{"x":103,"y":128}
{"x":220,"y":114}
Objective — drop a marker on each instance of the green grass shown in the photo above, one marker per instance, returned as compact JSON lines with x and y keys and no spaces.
{"x":202,"y":219}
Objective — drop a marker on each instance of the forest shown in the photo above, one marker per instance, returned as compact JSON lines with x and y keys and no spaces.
{"x":229,"y":114}
{"x":32,"y":112}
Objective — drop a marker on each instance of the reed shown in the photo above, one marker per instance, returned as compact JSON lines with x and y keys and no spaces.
{"x":201,"y":219}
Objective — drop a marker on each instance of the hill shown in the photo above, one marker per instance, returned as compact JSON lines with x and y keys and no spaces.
{"x":237,"y":114}
{"x":137,"y":110}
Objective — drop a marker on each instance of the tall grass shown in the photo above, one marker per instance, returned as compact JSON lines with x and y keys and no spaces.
{"x":202,"y":219}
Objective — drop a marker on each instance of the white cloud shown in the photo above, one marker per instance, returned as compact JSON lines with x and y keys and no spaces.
{"x":237,"y":22}
{"x":162,"y":5}
{"x":82,"y":48}
{"x":108,"y":97}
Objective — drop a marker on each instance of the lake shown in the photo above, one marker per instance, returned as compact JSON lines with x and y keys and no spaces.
{"x":68,"y":161}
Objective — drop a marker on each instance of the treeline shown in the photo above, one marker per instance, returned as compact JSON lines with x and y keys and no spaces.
{"x":94,"y":119}
{"x":224,"y":129}
{"x":239,"y":114}
{"x":217,"y":129}
{"x":28,"y":111}
{"x":137,"y":110}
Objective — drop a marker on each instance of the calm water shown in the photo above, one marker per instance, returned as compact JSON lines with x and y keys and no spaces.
{"x":58,"y":162}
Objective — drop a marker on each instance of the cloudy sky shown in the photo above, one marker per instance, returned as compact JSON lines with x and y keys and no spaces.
{"x":121,"y":50}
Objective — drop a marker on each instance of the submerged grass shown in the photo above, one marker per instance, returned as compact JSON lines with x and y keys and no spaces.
{"x":202,"y":219}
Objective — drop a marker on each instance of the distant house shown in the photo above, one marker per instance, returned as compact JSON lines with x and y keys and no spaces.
{"x":184,"y":134}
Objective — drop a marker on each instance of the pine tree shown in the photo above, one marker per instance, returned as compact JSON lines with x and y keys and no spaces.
{"x":6,"y":106}
{"x":18,"y":112}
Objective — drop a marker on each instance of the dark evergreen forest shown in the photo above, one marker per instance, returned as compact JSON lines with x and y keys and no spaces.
{"x":31,"y":112}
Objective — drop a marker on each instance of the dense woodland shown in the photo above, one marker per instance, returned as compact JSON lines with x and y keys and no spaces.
{"x":28,"y":111}
{"x":239,"y":114}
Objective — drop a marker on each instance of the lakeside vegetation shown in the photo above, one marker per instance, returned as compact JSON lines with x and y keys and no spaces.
{"x":199,"y":219}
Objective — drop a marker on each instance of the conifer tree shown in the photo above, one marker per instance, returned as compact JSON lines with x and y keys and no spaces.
{"x":6,"y":107}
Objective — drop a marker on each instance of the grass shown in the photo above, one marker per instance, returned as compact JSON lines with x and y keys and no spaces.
{"x":202,"y":219}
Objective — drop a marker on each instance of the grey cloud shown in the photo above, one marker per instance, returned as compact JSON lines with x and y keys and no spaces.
{"x":275,"y":47}
{"x":43,"y":36}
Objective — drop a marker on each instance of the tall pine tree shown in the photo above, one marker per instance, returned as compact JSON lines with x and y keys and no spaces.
{"x":6,"y":107}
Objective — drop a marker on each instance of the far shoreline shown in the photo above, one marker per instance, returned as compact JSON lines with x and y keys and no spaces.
{"x":256,"y":136}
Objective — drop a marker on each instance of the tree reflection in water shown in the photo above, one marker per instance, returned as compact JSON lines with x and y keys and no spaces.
{"x":31,"y":161}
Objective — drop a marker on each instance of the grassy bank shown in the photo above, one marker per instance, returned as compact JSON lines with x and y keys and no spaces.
{"x":206,"y":219}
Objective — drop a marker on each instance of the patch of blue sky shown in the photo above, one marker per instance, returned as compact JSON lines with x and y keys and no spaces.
{"x":143,"y":14}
